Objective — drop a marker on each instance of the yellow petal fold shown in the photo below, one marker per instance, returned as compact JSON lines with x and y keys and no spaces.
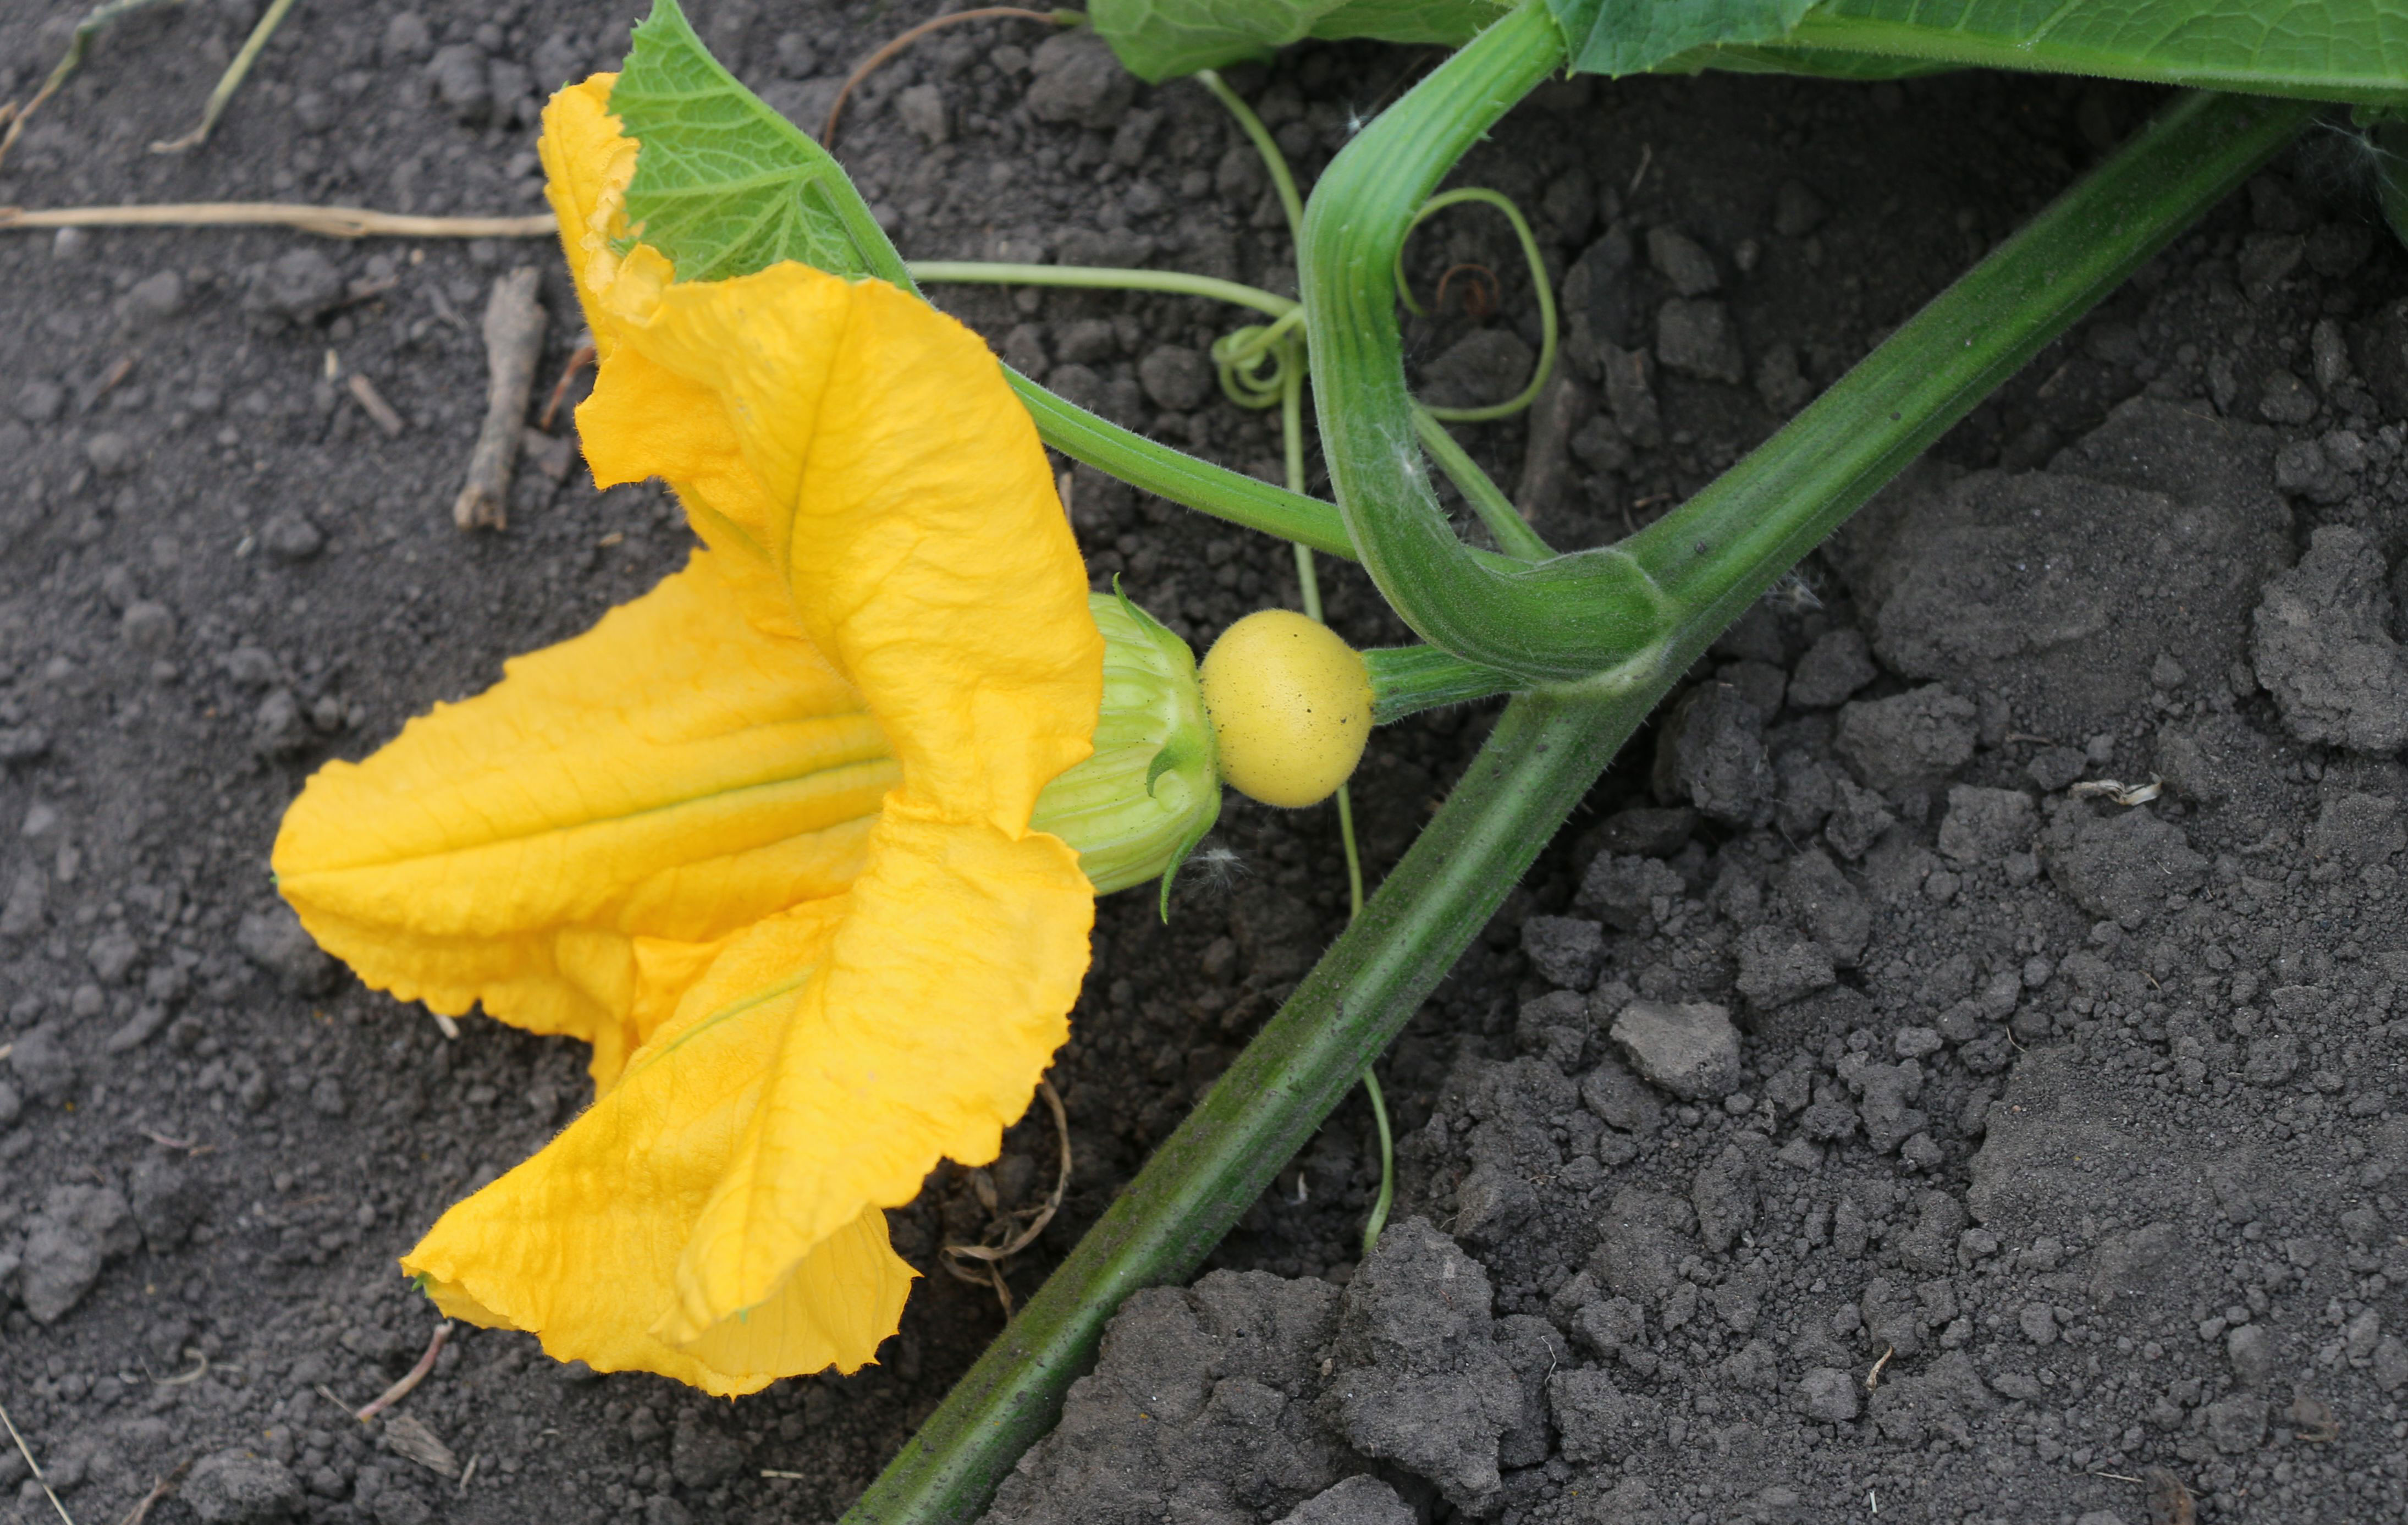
{"x":673,"y":775}
{"x":943,"y":996}
{"x":587,"y":165}
{"x":580,"y":1243}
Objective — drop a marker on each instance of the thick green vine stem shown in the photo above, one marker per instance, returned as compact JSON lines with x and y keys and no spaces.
{"x":1546,"y":749}
{"x":1514,"y":536}
{"x":1602,"y":616}
{"x":1600,"y":607}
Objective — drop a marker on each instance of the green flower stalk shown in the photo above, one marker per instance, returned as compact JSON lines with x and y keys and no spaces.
{"x":1138,"y":806}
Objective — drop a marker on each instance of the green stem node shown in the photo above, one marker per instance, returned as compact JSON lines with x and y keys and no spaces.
{"x":1407,"y":680}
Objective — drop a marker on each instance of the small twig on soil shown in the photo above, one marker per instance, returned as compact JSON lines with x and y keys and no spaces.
{"x":98,"y":16}
{"x":228,"y":83}
{"x":108,"y":383}
{"x":2118,"y":791}
{"x":468,"y":1472}
{"x":514,"y":324}
{"x":415,"y":1374}
{"x":362,"y":291}
{"x":1052,"y":1204}
{"x":870,"y":66}
{"x":159,"y":1490}
{"x":797,"y":1476}
{"x":579,"y":358}
{"x":987,"y":1274}
{"x":986,"y":1260}
{"x":35,"y":1467}
{"x":450,"y":1029}
{"x":183,"y":1378}
{"x":1479,"y":298}
{"x":326,"y":221}
{"x":372,"y":403}
{"x":1872,"y":1378}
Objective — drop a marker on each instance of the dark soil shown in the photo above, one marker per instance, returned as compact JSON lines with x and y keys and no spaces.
{"x":1852,"y":1116}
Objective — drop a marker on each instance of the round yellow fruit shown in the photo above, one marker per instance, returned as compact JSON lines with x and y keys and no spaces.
{"x":1291,"y":707}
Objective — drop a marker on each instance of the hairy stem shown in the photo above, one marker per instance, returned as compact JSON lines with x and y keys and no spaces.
{"x":1407,"y":680}
{"x":1182,"y":477}
{"x":1514,"y":536}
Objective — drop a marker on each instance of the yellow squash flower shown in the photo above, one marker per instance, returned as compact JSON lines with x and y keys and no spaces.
{"x":762,"y":836}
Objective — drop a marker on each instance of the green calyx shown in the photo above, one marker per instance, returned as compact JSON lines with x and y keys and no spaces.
{"x":1151,"y":789}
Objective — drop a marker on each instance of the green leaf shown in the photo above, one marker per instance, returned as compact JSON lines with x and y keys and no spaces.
{"x":1446,"y":22}
{"x":725,"y":186}
{"x":2340,"y":50}
{"x":1822,"y":63}
{"x":1626,"y":36}
{"x":1158,"y":39}
{"x":2335,"y":50}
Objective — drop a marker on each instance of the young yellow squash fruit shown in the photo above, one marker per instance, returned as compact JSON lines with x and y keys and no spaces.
{"x":1291,"y":707}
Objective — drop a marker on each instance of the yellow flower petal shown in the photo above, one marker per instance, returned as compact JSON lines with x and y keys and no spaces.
{"x":587,"y":165}
{"x":673,"y":775}
{"x":874,"y":493}
{"x":846,"y":1299}
{"x":913,"y":515}
{"x":643,"y":421}
{"x":845,"y":432}
{"x":580,"y":1243}
{"x":904,"y":498}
